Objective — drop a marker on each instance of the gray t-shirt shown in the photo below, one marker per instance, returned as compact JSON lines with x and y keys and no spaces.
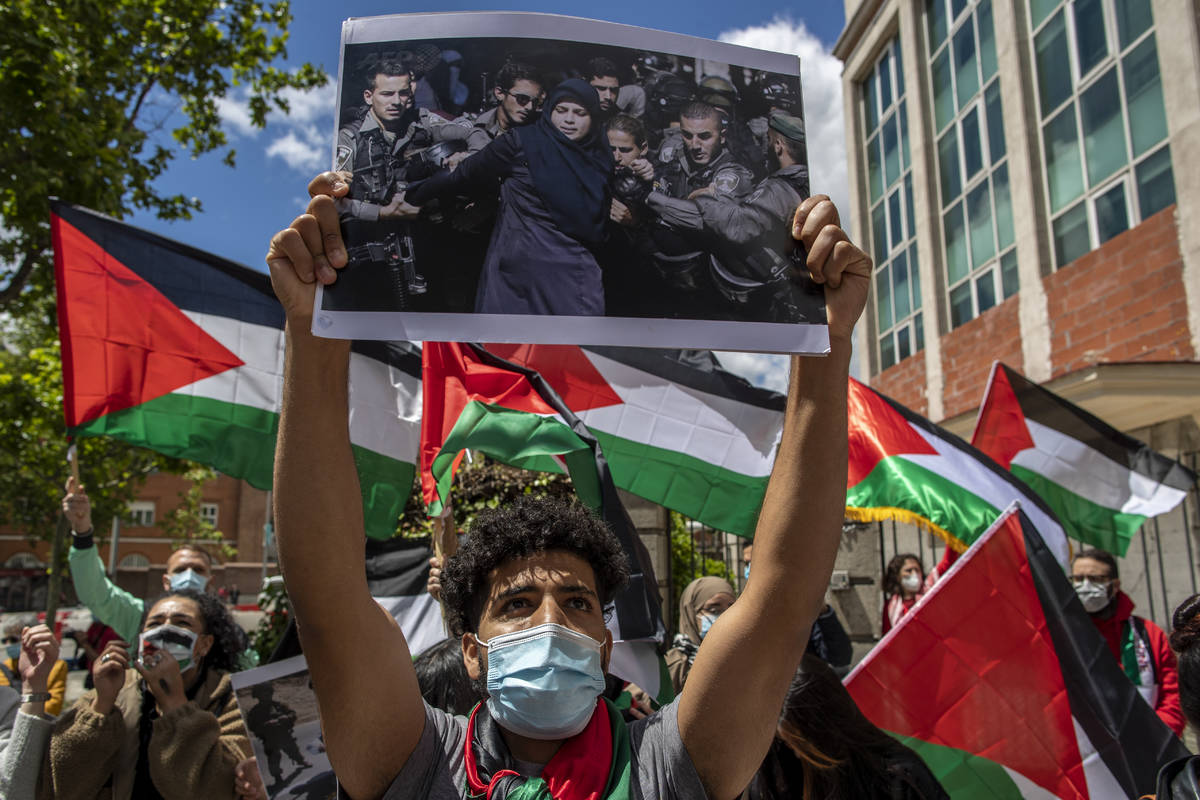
{"x":661,"y":768}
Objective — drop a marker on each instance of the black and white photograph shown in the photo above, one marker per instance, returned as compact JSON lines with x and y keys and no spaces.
{"x":520,"y":177}
{"x":280,"y":712}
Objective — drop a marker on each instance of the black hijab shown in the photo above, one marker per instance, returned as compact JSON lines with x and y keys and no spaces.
{"x":571,"y":177}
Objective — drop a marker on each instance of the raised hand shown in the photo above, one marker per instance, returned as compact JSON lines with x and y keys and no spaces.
{"x":163,"y":678}
{"x":108,"y":674}
{"x":77,"y":507}
{"x":39,"y":652}
{"x":434,"y":584}
{"x":835,"y":261}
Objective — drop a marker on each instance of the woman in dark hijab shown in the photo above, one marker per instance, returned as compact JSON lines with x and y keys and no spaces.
{"x":554,"y":202}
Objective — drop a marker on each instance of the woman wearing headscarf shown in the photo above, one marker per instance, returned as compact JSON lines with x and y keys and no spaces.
{"x":554,"y":203}
{"x":701,"y":603}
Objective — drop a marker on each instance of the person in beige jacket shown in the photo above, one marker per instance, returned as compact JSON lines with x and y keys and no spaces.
{"x":162,"y":721}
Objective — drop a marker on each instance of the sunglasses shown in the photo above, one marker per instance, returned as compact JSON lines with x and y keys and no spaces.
{"x":9,"y":640}
{"x":525,"y":99}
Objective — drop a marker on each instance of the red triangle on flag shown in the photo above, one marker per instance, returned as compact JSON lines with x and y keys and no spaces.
{"x":1000,"y":430}
{"x":877,"y":431}
{"x":567,"y":369}
{"x":123,"y":342}
{"x":974,"y":667}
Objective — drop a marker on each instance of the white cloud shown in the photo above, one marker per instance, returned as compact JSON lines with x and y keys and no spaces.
{"x":302,"y":138}
{"x":235,"y":114}
{"x":761,"y":369}
{"x":304,"y":148}
{"x":821,"y":81}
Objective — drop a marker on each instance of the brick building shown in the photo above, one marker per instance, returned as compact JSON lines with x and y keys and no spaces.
{"x":237,"y":509}
{"x":1019,"y":172}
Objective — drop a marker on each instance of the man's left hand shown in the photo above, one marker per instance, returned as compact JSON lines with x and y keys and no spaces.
{"x":834,"y":261}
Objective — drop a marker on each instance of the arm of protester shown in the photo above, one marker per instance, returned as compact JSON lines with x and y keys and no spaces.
{"x":23,"y":753}
{"x":370,"y":726}
{"x":41,"y":670}
{"x":113,"y":606}
{"x":195,"y":751}
{"x":840,"y":649}
{"x":83,"y":749}
{"x":480,"y":171}
{"x":729,"y":707}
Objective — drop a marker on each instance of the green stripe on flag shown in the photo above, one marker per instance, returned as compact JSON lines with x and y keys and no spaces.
{"x":234,"y":439}
{"x":720,"y":498}
{"x":1085,"y":520}
{"x":899,"y":483}
{"x":963,"y":775}
{"x":496,"y":431}
{"x":239,"y":441}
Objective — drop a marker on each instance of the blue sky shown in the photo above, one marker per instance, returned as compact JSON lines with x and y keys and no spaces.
{"x":243,"y":207}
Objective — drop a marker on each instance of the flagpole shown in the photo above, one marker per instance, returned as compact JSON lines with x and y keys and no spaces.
{"x":54,"y":584}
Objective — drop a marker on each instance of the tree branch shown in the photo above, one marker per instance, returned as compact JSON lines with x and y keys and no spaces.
{"x":137,"y":106}
{"x":20,"y":277}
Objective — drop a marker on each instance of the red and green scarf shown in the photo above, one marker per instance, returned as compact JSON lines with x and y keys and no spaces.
{"x":592,"y":765}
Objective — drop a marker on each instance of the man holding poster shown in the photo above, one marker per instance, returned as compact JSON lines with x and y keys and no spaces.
{"x":532,"y":587}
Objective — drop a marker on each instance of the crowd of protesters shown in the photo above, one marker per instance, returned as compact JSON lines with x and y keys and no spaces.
{"x":516,"y":702}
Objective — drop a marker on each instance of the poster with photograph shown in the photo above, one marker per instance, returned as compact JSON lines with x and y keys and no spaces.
{"x":522,"y":177}
{"x":280,"y":711}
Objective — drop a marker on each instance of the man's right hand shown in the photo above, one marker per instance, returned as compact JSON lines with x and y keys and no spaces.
{"x":309,"y":250}
{"x":108,"y":674}
{"x":77,"y":507}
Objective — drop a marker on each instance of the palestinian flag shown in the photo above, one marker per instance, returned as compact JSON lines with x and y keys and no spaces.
{"x":167,"y":347}
{"x":1101,"y":483}
{"x":1002,"y":684}
{"x":476,"y":400}
{"x":677,"y":429}
{"x":904,"y":467}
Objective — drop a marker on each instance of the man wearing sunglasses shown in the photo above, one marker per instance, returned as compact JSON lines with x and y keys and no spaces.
{"x":519,"y":94}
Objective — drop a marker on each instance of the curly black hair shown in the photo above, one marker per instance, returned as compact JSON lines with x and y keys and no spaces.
{"x":528,"y":526}
{"x":229,"y":640}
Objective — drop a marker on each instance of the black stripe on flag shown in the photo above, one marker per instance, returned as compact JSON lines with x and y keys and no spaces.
{"x":1130,"y":738}
{"x":1045,"y":407}
{"x":695,"y":369}
{"x":404,"y":356}
{"x":397,"y":566}
{"x":639,"y":614}
{"x":192,"y":279}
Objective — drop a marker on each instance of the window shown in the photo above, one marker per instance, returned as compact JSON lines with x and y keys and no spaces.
{"x":208,"y":513}
{"x":23,"y":561}
{"x":1103,"y":124}
{"x":975,"y":204}
{"x":134,"y":560}
{"x":141,"y":514}
{"x":890,"y":192}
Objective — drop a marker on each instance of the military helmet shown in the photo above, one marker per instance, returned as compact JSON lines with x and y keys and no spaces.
{"x":780,"y":94}
{"x":717,"y":91}
{"x":668,"y":95}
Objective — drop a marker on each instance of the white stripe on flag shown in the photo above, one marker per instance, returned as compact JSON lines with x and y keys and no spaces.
{"x":385,"y":402}
{"x":1100,"y":781}
{"x":973,"y":476}
{"x":420,"y":618}
{"x":637,"y":662}
{"x":1028,"y":789}
{"x":735,"y":436}
{"x":1094,"y":476}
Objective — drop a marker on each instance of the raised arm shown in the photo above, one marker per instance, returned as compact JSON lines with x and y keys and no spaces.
{"x":371,"y":709}
{"x":730,"y":705}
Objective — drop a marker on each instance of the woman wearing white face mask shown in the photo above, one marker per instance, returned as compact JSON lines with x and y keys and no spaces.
{"x":905,"y":581}
{"x":162,"y":721}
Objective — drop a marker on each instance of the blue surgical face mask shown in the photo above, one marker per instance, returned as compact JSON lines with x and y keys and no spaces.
{"x":706,"y":623}
{"x":188,"y":579}
{"x":179,"y":642}
{"x":543,"y":682}
{"x":13,"y":650}
{"x":746,"y":572}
